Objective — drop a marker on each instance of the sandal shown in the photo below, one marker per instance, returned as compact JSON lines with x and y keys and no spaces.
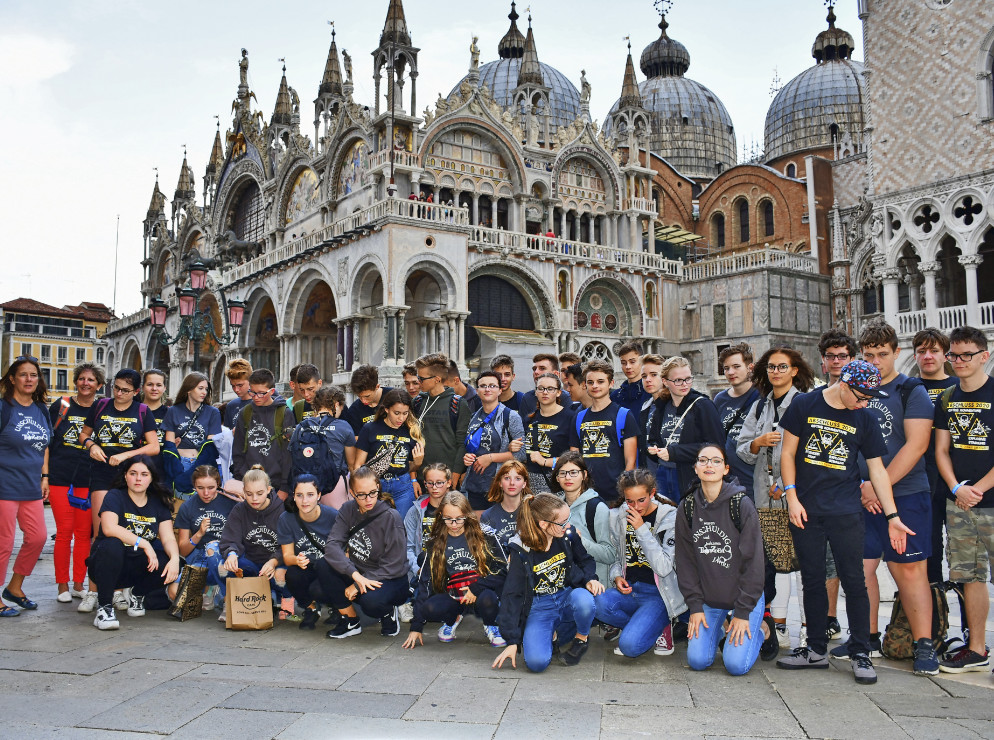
{"x":9,"y":611}
{"x":22,"y":601}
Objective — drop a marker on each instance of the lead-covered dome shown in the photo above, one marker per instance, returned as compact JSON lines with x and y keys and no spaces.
{"x":501,"y":77}
{"x":689,"y":125}
{"x":822,"y":102}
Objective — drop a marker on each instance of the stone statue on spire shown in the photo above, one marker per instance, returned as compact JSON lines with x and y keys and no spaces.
{"x":584,"y":87}
{"x":474,"y":55}
{"x":347,"y":61}
{"x":243,"y":69}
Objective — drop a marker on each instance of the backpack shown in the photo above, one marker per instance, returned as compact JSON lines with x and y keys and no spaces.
{"x":310,"y":452}
{"x":734,"y":506}
{"x":590,"y":513}
{"x":619,"y":424}
{"x":898,"y":642}
{"x":946,"y":396}
{"x":63,"y":413}
{"x":279,"y":435}
{"x":7,"y":408}
{"x":905,"y":389}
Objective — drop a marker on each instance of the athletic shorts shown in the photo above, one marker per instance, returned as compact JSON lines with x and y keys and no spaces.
{"x":916,"y":512}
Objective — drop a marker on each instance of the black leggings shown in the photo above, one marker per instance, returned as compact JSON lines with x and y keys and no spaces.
{"x":443,"y":608}
{"x":304,"y":584}
{"x":376,"y":603}
{"x":114,"y":565}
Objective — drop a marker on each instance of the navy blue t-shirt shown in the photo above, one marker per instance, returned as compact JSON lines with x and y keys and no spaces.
{"x":68,"y":461}
{"x":969,"y":419}
{"x":359,"y":414}
{"x":503,"y":524}
{"x":935,"y":389}
{"x":289,"y":532}
{"x":22,"y":451}
{"x":548,"y":435}
{"x":192,"y":428}
{"x":830,"y":441}
{"x":377,"y":439}
{"x":194,"y":510}
{"x":733,"y":412}
{"x":120,"y":431}
{"x":231,"y":411}
{"x":142,"y":521}
{"x":597,"y":441}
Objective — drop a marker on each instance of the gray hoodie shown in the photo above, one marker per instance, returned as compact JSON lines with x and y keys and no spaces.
{"x":753,"y":427}
{"x":658,"y":545}
{"x":717,"y":564}
{"x":378,"y":550}
{"x":602,"y":551}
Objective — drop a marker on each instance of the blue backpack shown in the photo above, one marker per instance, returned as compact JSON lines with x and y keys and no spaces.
{"x":619,"y":424}
{"x":310,"y":452}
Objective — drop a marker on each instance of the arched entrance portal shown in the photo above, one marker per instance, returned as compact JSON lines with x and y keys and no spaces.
{"x":425,"y":328}
{"x":316,"y":331}
{"x":263,"y":345}
{"x":495,"y":302}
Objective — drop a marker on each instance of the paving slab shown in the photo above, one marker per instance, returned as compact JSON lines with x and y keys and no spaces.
{"x":391,"y":706}
{"x":921,"y":728}
{"x":223,"y":653}
{"x":94,"y":658}
{"x":526,"y":718}
{"x":326,"y":678}
{"x":399,"y":671}
{"x":715,"y":688}
{"x":842,"y":715}
{"x":43,"y":732}
{"x":237,"y":724}
{"x":951,"y":707}
{"x":678,"y":721}
{"x":464,"y":699}
{"x":333,"y":726}
{"x":561,"y":688}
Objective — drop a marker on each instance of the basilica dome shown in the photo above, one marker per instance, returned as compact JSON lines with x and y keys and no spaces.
{"x":501,"y":77}
{"x":823,"y":102}
{"x":689,"y":125}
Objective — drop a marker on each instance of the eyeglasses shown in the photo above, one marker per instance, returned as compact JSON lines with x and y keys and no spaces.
{"x":436,"y":483}
{"x":453,"y":519}
{"x":487,"y":387}
{"x":837,"y":358}
{"x":963,"y":356}
{"x":716,"y":461}
{"x":260,"y":394}
{"x":371,"y":494}
{"x":783,"y":367}
{"x":430,"y":377}
{"x":119,"y":389}
{"x":681,"y":381}
{"x":569,"y":473}
{"x":561,"y":525}
{"x":546,"y":389}
{"x":859,"y":396}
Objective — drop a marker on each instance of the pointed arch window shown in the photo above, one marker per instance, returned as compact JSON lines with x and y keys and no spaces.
{"x":718,"y":230}
{"x":768,"y":224}
{"x":743,"y":207}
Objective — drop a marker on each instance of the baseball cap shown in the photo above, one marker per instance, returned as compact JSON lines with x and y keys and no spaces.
{"x":861,"y":376}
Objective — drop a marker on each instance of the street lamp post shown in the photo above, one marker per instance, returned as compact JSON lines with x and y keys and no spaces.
{"x":196,"y":324}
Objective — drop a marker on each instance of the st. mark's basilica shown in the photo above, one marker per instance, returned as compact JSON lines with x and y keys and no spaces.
{"x":503,"y":219}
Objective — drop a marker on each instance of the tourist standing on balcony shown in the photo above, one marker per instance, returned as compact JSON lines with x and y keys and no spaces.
{"x":734,"y":403}
{"x":503,"y":367}
{"x":69,"y":481}
{"x":116,"y":429}
{"x":25,"y":433}
{"x":495,"y":435}
{"x":547,"y":432}
{"x":684,"y":419}
{"x":606,"y":434}
{"x":365,"y":385}
{"x":964,"y":420}
{"x":779,"y":375}
{"x":630,"y":394}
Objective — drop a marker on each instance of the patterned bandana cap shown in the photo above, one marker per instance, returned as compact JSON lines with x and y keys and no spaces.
{"x":862,"y":377}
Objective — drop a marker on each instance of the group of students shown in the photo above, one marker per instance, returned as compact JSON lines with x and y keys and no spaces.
{"x":541,"y":512}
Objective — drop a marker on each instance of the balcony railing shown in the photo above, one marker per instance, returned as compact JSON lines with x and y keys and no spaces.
{"x":130,"y":320}
{"x":400,"y":159}
{"x":570,"y":250}
{"x":948,"y":318}
{"x":753,"y":260}
{"x":27,"y":327}
{"x":640,"y":204}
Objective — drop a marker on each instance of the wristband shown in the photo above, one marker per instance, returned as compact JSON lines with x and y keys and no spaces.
{"x":788,"y":487}
{"x":957,"y":487}
{"x":91,"y":442}
{"x":44,"y":475}
{"x":138,"y":541}
{"x":892,"y":515}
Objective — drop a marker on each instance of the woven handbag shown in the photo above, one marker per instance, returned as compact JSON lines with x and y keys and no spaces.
{"x":774,"y":523}
{"x":189,"y":601}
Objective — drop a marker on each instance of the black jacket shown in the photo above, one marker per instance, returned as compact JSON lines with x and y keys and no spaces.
{"x":494,"y":580}
{"x":701,"y":424}
{"x":519,"y":588}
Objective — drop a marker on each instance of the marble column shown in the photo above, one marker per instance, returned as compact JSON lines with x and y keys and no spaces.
{"x":401,"y":335}
{"x":340,"y":347}
{"x":476,"y":209}
{"x":914,"y":282}
{"x":930,"y":270}
{"x":970,"y":263}
{"x":891,"y":277}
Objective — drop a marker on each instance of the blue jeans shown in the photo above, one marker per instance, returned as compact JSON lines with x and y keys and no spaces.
{"x":402,"y":490}
{"x":738,"y":659}
{"x":208,"y":556}
{"x":668,"y":483}
{"x":567,"y":612}
{"x":641,"y":615}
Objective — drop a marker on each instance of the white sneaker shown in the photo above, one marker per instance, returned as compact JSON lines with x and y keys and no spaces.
{"x":77,"y":594}
{"x":222,"y":617}
{"x":493,"y":634}
{"x":64,"y":598}
{"x":406,"y":611}
{"x":783,"y":635}
{"x":136,"y":606}
{"x":447,"y":632}
{"x":802,"y":638}
{"x":88,"y":602}
{"x":106,"y":619}
{"x":122,"y":598}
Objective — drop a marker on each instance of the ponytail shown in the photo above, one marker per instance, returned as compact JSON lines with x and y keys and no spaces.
{"x":537,"y":508}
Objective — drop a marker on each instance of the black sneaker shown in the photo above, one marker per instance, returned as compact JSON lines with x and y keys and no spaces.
{"x":834,"y":629}
{"x":309,"y":620}
{"x":571,"y":655}
{"x":334,"y":617}
{"x":964,"y":661}
{"x":771,"y":645}
{"x":926,"y":663}
{"x":610,"y":633}
{"x":347,"y":626}
{"x":841,"y":652}
{"x":390,"y":624}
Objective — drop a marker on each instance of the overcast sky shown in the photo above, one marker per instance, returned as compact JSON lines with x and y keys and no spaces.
{"x":94,"y":94}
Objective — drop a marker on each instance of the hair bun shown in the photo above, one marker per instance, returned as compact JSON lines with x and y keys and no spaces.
{"x":257,"y":466}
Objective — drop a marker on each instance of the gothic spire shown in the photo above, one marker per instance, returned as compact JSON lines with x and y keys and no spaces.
{"x":284,"y":109}
{"x":185,"y":187}
{"x":216,"y":162}
{"x":630,"y":95}
{"x":331,"y":83}
{"x":395,"y":26}
{"x":530,"y":71}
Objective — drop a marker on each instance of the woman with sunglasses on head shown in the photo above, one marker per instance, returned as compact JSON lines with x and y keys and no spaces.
{"x":25,"y":433}
{"x":465,"y":567}
{"x":392,"y":445}
{"x":546,"y":432}
{"x":367,"y":552}
{"x":69,"y":481}
{"x":779,"y":375}
{"x":510,"y":486}
{"x":135,"y":547}
{"x":190,"y":427}
{"x":495,"y":436}
{"x":303,"y":532}
{"x":116,"y":429}
{"x":548,"y":597}
{"x":249,"y":541}
{"x":719,"y":559}
{"x":683,"y":419}
{"x":646,"y":596}
{"x":585,"y":509}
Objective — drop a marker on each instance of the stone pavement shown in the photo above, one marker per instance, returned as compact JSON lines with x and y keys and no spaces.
{"x":60,"y":677}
